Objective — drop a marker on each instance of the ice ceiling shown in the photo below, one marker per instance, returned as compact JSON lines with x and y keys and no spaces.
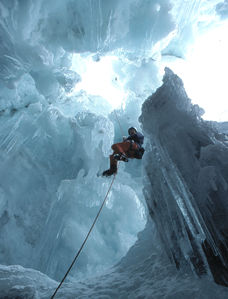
{"x":206,"y":53}
{"x":64,"y":67}
{"x":207,"y":87}
{"x":99,"y":78}
{"x":140,"y":38}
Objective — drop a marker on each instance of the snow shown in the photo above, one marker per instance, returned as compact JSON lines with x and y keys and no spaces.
{"x":64,"y":67}
{"x":141,"y":274}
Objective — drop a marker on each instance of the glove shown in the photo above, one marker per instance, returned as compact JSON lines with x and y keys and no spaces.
{"x":124,"y":138}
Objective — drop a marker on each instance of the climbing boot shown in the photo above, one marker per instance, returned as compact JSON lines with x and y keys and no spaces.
{"x":111,"y":171}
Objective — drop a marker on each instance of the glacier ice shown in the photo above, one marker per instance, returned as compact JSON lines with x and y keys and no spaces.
{"x":55,"y":142}
{"x":222,"y":9}
{"x":186,"y":189}
{"x":143,"y":273}
{"x":47,"y":218}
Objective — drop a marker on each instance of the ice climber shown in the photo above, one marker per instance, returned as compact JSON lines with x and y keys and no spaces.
{"x":131,"y":147}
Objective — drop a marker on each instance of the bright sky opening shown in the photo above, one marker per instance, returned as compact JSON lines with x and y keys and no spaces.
{"x":204,"y":73}
{"x":99,"y":78}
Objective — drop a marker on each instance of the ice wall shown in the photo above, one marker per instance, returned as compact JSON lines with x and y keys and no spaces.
{"x":187,"y":180}
{"x":53,"y":147}
{"x":50,"y":191}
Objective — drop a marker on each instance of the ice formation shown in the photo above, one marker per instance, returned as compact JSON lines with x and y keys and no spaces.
{"x":55,"y":141}
{"x":187,"y":185}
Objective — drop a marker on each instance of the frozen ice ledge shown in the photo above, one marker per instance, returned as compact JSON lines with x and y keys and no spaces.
{"x":186,"y":185}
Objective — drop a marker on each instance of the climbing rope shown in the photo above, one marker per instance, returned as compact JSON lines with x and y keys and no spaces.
{"x":119,"y":123}
{"x":79,"y":251}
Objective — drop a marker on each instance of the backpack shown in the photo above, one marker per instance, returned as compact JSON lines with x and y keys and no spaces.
{"x":139,"y":153}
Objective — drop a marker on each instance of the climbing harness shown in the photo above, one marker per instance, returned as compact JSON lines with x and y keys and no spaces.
{"x":79,"y":251}
{"x":137,"y":153}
